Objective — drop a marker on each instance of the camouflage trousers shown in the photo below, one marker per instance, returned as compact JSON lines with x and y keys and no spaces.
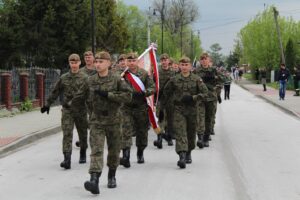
{"x":201,"y":118}
{"x":68,"y":120}
{"x":126,"y":129}
{"x":97,"y":138}
{"x":185,"y":124}
{"x":139,"y":125}
{"x":166,"y":125}
{"x":210,"y":108}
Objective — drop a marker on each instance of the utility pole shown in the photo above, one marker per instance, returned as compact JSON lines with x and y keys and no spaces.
{"x":192,"y":45}
{"x":93,"y":27}
{"x":162,"y":25}
{"x":279,"y":35}
{"x":148,"y":29}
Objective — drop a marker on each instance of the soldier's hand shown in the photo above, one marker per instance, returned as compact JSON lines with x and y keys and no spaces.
{"x":187,"y":99}
{"x":161,"y":116}
{"x":44,"y":109}
{"x":101,"y":93}
{"x":138,"y":94}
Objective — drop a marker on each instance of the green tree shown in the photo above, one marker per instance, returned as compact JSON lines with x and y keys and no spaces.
{"x":215,"y":53}
{"x":290,"y":55}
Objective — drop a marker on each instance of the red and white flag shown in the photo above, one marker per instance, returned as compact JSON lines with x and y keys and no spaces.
{"x":147,"y":61}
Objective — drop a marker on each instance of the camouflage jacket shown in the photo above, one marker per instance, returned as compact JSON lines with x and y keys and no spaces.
{"x":149,"y":88}
{"x":89,"y":72}
{"x":74,"y":88}
{"x":105,"y":111}
{"x":179,"y":86}
{"x":212,"y":79}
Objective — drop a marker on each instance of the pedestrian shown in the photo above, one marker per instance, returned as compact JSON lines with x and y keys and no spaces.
{"x":187,"y":89}
{"x":73,"y":85}
{"x":283,"y":77}
{"x":263,"y":75}
{"x":227,"y":84}
{"x":107,"y":92}
{"x":137,"y":109}
{"x":164,"y":114}
{"x":257,"y":75}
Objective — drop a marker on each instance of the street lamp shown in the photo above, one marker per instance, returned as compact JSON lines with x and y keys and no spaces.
{"x":93,"y":27}
{"x":162,"y":17}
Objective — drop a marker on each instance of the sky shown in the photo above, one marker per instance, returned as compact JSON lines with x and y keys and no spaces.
{"x":221,"y":20}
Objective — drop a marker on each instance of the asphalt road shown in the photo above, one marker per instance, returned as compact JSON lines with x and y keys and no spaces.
{"x":254,"y":155}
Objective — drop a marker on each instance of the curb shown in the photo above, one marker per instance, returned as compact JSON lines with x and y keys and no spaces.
{"x":286,"y":110}
{"x":28,"y":139}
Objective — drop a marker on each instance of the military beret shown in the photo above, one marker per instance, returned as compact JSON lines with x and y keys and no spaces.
{"x":74,"y":57}
{"x":122,"y":57}
{"x":184,"y":59}
{"x":88,"y":53}
{"x":164,"y":56}
{"x":103,"y":55}
{"x":132,"y":55}
{"x":204,"y":55}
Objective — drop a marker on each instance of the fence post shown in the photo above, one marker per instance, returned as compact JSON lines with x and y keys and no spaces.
{"x":23,"y":85}
{"x":40,"y":88}
{"x":6,"y":94}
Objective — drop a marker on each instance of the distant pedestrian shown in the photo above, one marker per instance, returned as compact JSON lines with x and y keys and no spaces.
{"x":227,"y":84}
{"x":296,"y":77}
{"x":257,"y":75}
{"x":283,"y":77}
{"x":263,"y":76}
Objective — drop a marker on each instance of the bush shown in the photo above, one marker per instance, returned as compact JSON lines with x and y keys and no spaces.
{"x":26,"y":105}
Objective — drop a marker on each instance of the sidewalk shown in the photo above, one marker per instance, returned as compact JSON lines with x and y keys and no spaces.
{"x":25,"y":128}
{"x":291,"y":104}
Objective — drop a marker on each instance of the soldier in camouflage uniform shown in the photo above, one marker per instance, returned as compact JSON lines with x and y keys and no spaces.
{"x":211,"y":79}
{"x":165,"y":115}
{"x":107,"y":92}
{"x":137,"y":109}
{"x":73,"y":86}
{"x":126,"y":123}
{"x":186,"y":89}
{"x":89,"y":70}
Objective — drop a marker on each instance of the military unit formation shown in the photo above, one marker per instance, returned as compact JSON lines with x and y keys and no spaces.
{"x":102,"y":97}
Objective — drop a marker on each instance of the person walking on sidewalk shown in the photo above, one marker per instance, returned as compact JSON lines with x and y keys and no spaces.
{"x":227,"y":84}
{"x":263,"y":74}
{"x":296,"y":77}
{"x":73,"y":85}
{"x":283,"y":77}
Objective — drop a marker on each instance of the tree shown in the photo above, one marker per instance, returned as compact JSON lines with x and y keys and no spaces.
{"x":111,"y":28}
{"x":214,"y":53}
{"x":290,"y":55}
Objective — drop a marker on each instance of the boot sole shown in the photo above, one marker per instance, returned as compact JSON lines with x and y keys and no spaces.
{"x":90,"y":187}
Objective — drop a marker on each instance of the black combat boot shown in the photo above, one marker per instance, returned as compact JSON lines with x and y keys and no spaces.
{"x":93,"y":184}
{"x":200,"y":141}
{"x":82,"y":157}
{"x":158,"y":142}
{"x":206,"y":140}
{"x":77,"y":143}
{"x":168,"y":138}
{"x":125,"y":160}
{"x":188,"y":157}
{"x":140,"y":156}
{"x":181,"y":161}
{"x":67,"y":161}
{"x":112,"y":183}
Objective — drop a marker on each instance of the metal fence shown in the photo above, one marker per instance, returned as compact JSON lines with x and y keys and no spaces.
{"x":51,"y":76}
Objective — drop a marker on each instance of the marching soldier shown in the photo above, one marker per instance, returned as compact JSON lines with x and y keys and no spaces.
{"x":107,"y":92}
{"x":89,"y":70}
{"x":137,"y":110}
{"x":74,"y":86}
{"x":211,"y":79}
{"x":186,"y":88}
{"x":126,"y":127}
{"x":165,"y":115}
